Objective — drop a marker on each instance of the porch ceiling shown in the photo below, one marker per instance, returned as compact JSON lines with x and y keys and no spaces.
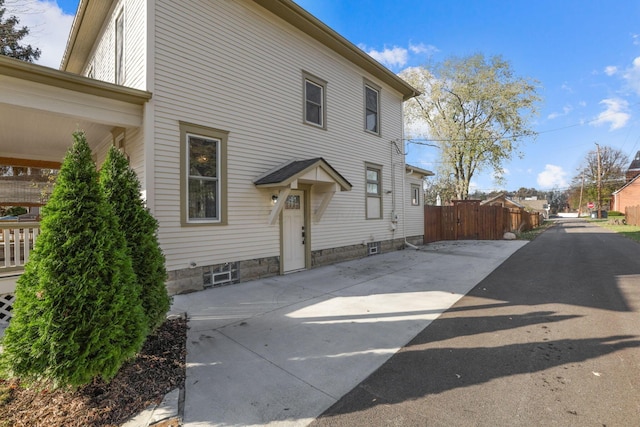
{"x":41,"y":107}
{"x":40,"y":135}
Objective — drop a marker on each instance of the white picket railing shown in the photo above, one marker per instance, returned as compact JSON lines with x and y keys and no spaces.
{"x":17,"y":240}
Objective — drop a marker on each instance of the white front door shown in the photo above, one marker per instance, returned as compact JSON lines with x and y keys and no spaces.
{"x":293,"y":233}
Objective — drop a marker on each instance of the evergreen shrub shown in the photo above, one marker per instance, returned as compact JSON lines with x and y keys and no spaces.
{"x":77,"y":314}
{"x":121,"y":187}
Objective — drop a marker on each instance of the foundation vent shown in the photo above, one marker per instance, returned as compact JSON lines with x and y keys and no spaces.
{"x":220,"y":275}
{"x":373,"y":248}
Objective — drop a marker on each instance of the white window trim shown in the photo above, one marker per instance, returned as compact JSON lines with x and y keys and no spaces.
{"x":203,"y":178}
{"x":415,"y":195}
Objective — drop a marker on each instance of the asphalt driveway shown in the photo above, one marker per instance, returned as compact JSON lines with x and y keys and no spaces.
{"x":551,"y":337}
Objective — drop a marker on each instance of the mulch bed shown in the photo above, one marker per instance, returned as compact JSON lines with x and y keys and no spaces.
{"x":158,"y":369}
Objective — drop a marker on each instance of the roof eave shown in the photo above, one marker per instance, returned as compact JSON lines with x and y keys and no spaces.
{"x":87,"y":24}
{"x":56,"y":78}
{"x":420,"y":171}
{"x":320,"y":163}
{"x":295,"y":15}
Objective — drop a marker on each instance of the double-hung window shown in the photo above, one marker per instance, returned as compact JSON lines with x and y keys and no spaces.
{"x":203,"y":175}
{"x":371,"y":108}
{"x":374,"y":191}
{"x":315,"y":101}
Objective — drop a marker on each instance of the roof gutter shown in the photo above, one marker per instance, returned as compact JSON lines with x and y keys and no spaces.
{"x":35,"y":73}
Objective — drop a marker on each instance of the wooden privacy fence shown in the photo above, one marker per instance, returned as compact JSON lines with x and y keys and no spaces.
{"x":468,"y":220}
{"x":632,"y":215}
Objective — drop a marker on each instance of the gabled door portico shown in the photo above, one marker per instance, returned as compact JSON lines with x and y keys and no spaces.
{"x":292,"y":185}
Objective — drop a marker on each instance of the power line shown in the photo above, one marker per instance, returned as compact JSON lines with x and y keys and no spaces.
{"x":425,"y":141}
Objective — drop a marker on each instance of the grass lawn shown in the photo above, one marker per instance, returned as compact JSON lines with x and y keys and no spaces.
{"x":532,"y":234}
{"x":630,"y":231}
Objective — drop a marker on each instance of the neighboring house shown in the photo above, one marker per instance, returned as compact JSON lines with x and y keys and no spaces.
{"x":265,"y":142}
{"x":629,"y":194}
{"x":533,"y":204}
{"x":530,"y":204}
{"x":502,"y":200}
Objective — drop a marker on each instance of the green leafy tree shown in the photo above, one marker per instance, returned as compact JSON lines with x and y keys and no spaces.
{"x":10,"y":37}
{"x":475,"y":110}
{"x":122,"y":189}
{"x":16,"y":210}
{"x":77,"y":314}
{"x":558,"y":200}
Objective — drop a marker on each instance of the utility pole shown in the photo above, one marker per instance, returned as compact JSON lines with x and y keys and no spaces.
{"x":599,"y":184}
{"x":581,"y":190}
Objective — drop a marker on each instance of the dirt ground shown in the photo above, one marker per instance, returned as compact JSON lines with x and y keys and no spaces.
{"x":158,"y":369}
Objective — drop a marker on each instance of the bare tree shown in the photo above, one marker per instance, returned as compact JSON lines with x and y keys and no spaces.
{"x":613,"y":164}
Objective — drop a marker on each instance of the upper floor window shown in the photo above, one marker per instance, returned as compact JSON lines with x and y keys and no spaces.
{"x":315,"y":101}
{"x":203,"y":182}
{"x":372,"y":108}
{"x":119,"y":65}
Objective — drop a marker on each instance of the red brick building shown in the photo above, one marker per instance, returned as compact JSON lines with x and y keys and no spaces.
{"x":629,"y":194}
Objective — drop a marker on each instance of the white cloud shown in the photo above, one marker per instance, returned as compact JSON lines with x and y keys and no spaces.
{"x":616,"y":113}
{"x":48,"y":28}
{"x":632,"y":75}
{"x":390,"y":57}
{"x":565,"y":87}
{"x":610,"y":70}
{"x":422,"y":48}
{"x":397,"y":56}
{"x":552,"y":177}
{"x":565,"y":110}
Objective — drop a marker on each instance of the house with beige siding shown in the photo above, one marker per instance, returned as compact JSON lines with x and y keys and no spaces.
{"x":265,"y":142}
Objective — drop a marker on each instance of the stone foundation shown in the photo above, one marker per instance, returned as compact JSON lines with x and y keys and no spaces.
{"x":193,"y":279}
{"x":258,"y":268}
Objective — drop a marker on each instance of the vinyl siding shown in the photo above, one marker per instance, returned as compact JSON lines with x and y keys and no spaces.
{"x":102,"y":60}
{"x":134,"y":148}
{"x":414,"y":214}
{"x":232,"y":66}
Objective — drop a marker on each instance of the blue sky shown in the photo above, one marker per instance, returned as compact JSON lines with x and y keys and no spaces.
{"x":585,"y":54}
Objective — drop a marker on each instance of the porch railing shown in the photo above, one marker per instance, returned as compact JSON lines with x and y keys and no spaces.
{"x":17,"y":240}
